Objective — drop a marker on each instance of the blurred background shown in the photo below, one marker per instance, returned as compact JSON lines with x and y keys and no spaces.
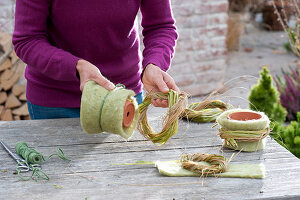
{"x":221,"y":44}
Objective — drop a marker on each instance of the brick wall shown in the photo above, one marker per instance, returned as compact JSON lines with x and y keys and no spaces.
{"x":199,"y":63}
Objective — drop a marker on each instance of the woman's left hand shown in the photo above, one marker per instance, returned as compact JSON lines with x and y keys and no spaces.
{"x":156,"y":80}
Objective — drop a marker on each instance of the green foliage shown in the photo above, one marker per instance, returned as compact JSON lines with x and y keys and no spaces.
{"x":287,"y":47}
{"x":265,"y":97}
{"x":288,"y":136}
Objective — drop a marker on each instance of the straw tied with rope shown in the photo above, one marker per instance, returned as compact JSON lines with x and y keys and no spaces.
{"x":205,"y":111}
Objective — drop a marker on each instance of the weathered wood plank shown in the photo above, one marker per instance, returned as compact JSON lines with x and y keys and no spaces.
{"x":91,"y":174}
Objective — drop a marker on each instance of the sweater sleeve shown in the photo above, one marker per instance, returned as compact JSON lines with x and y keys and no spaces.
{"x":159,"y":33}
{"x":31,"y":43}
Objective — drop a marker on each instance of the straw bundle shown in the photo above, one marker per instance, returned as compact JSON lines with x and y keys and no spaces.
{"x":218,"y":163}
{"x":205,"y":111}
{"x":177,"y":104}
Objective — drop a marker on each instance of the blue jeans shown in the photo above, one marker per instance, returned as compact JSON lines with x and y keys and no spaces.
{"x":42,"y":112}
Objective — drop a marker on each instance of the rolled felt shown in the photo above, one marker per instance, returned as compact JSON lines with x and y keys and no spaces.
{"x":244,"y":129}
{"x":112,"y":111}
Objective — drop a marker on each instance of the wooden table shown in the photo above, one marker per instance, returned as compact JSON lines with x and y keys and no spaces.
{"x":91,"y":174}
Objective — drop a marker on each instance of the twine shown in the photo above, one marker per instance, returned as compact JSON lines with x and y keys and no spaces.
{"x":218,"y":163}
{"x":242,"y":135}
{"x":33,"y":157}
{"x":205,"y":111}
{"x":118,"y":86}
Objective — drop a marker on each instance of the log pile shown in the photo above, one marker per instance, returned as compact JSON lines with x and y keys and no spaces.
{"x":13,"y":104}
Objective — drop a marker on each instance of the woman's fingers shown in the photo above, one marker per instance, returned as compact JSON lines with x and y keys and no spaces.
{"x":101,"y":80}
{"x":169,"y":81}
{"x":88,"y":71}
{"x":161,"y":84}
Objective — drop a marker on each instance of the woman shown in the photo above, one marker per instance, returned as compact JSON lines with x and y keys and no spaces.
{"x":66,"y":43}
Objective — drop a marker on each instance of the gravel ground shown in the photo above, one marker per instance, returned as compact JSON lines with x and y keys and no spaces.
{"x":243,"y":66}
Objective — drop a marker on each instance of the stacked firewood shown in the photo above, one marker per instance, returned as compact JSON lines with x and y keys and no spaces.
{"x":13,"y":104}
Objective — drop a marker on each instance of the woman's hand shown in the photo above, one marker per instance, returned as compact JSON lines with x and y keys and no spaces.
{"x":88,"y":71}
{"x":156,"y":80}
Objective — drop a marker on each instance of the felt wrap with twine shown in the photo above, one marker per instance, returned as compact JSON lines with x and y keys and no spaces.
{"x":199,"y":164}
{"x":174,"y":168}
{"x":104,"y":111}
{"x":243,"y":129}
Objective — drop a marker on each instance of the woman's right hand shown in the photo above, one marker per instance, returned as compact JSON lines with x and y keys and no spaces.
{"x":87,"y":71}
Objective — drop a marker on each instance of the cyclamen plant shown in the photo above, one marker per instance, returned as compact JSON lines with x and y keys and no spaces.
{"x":289,"y":88}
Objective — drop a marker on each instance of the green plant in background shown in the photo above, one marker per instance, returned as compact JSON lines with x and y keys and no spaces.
{"x":293,"y":33}
{"x":288,"y":136}
{"x":294,"y":38}
{"x":289,"y":88}
{"x":265,"y":97}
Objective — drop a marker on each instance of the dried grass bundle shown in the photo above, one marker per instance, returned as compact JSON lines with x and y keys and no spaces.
{"x":218,"y":163}
{"x":205,"y":111}
{"x":177,"y":105}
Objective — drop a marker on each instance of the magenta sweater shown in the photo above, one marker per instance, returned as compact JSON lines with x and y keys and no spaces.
{"x":52,"y":35}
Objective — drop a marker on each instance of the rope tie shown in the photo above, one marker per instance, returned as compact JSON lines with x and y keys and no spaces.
{"x":118,"y":86}
{"x":218,"y":163}
{"x":242,"y":135}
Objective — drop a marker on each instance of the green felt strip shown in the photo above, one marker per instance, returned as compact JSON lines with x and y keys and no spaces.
{"x":247,"y":146}
{"x":173,"y":168}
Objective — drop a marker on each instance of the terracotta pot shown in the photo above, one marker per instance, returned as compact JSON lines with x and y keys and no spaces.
{"x":128,"y":114}
{"x":244,"y":116}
